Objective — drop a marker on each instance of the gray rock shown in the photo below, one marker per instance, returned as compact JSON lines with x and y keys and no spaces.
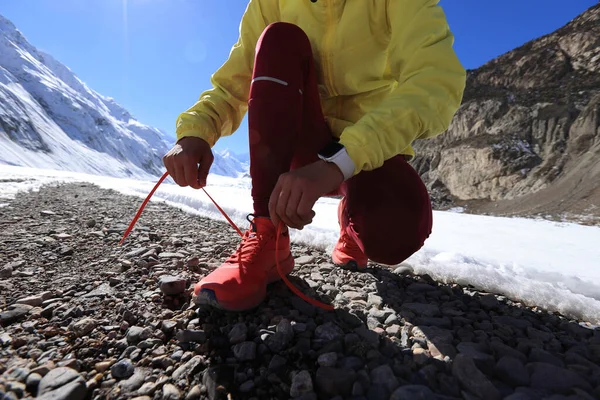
{"x":512,"y":371}
{"x":551,"y":377}
{"x":277,"y":362}
{"x":245,"y":351}
{"x":501,"y":350}
{"x":18,"y":374}
{"x":165,"y":256}
{"x":413,"y":392}
{"x":301,"y":383}
{"x":327,"y":359}
{"x":14,"y":313}
{"x":135,"y":381}
{"x":383,"y":375}
{"x":170,"y":392}
{"x":238,"y":333}
{"x":172,"y":285}
{"x":354,"y":295}
{"x":62,"y":383}
{"x":83,"y":327}
{"x":6,"y":272}
{"x":333,"y":381}
{"x":188,"y":369}
{"x":404,"y":269}
{"x":188,"y":335}
{"x":328,"y":332}
{"x":485,"y":362}
{"x":32,"y":382}
{"x":303,"y":260}
{"x":33,"y":301}
{"x":489,"y":302}
{"x":136,"y":334}
{"x":472,"y":379}
{"x":194,"y":394}
{"x":422,"y":309}
{"x":513,"y":322}
{"x":282,"y":337}
{"x":542,"y":356}
{"x":75,"y":390}
{"x":370,"y":337}
{"x":122,"y":369}
{"x":247,"y":386}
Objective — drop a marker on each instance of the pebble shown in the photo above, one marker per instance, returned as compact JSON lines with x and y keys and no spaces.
{"x":383,"y":375}
{"x":327,"y":359}
{"x":512,"y":371}
{"x":170,"y":392}
{"x":172,"y":285}
{"x":303,"y":260}
{"x":62,"y":383}
{"x":473,"y":380}
{"x":551,"y":377}
{"x":333,"y":381}
{"x":245,"y":351}
{"x":83,"y":327}
{"x":136,"y":334}
{"x":189,"y":335}
{"x":238,"y":333}
{"x":301,"y":384}
{"x":122,"y":369}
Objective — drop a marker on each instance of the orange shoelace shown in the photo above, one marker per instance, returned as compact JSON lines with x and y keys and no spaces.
{"x":280,"y":226}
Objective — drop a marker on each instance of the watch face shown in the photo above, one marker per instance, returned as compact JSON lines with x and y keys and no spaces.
{"x":331,"y":150}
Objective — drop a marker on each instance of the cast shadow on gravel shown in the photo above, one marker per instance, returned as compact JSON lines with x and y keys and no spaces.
{"x":410,"y":337}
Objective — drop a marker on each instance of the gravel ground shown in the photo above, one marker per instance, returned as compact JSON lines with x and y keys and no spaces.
{"x":84,"y":318}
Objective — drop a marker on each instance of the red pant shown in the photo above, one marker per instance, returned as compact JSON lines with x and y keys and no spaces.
{"x":388,"y":211}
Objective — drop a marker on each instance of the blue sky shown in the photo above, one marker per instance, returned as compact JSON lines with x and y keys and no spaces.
{"x":156,"y":56}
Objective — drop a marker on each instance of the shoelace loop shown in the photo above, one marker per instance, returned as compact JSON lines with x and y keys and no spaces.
{"x":280,"y":226}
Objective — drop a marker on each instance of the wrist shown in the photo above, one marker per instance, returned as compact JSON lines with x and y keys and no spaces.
{"x":336,"y":154}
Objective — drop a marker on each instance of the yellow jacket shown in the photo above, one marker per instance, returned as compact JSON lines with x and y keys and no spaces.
{"x":386,"y":69}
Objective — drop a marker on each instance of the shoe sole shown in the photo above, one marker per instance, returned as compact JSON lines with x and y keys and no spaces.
{"x":351,"y":265}
{"x":208,"y":297}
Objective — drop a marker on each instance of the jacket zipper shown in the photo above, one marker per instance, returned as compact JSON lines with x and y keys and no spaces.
{"x":327,"y":50}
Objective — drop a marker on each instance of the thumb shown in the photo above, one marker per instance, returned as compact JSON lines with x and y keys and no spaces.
{"x":205,"y":164}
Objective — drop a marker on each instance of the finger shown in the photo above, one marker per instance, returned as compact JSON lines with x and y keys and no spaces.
{"x":179,"y":174}
{"x":273,"y":203}
{"x":291,"y":210}
{"x":305,"y":208}
{"x":202,"y":172}
{"x":282,"y":202}
{"x":190,"y":170}
{"x":168,"y":162}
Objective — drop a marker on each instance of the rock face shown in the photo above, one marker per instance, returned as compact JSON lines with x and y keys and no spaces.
{"x":529,"y":125}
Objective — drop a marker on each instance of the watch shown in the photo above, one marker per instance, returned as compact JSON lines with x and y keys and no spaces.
{"x":336,"y":153}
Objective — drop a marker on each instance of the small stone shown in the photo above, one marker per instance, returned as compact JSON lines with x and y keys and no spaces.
{"x":303,"y":260}
{"x":247,"y":386}
{"x":374,"y":300}
{"x":172,"y":285}
{"x":413,"y":392}
{"x":170,"y":392}
{"x":512,"y":371}
{"x":328,"y":332}
{"x":194,"y":394}
{"x":62,"y":383}
{"x":103,"y":365}
{"x":188,"y":335}
{"x":238,"y":333}
{"x":189,"y":368}
{"x":354,"y":295}
{"x":6,"y":272}
{"x":164,"y":256}
{"x":473,"y":380}
{"x":245,"y":351}
{"x":32,"y":382}
{"x":383,"y":375}
{"x":168,"y":326}
{"x":277,"y":362}
{"x":333,"y":381}
{"x":83,"y":327}
{"x":65,"y":251}
{"x":301,"y":384}
{"x":393,"y":330}
{"x":327,"y":359}
{"x":122,"y":369}
{"x":136,"y":334}
{"x":33,"y":301}
{"x":404,"y":269}
{"x":135,"y":381}
{"x":90,"y":223}
{"x":551,"y":377}
{"x":489,"y":302}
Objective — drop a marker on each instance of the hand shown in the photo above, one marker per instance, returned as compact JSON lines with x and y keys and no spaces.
{"x":297,"y":192}
{"x":183,"y":159}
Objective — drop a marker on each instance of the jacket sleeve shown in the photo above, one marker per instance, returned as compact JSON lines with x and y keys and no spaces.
{"x":219,"y":111}
{"x":430,"y":84}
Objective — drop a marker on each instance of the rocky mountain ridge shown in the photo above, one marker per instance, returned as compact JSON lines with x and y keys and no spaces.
{"x":526,"y":139}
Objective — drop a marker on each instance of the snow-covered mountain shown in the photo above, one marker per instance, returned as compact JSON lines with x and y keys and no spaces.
{"x":49,"y":118}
